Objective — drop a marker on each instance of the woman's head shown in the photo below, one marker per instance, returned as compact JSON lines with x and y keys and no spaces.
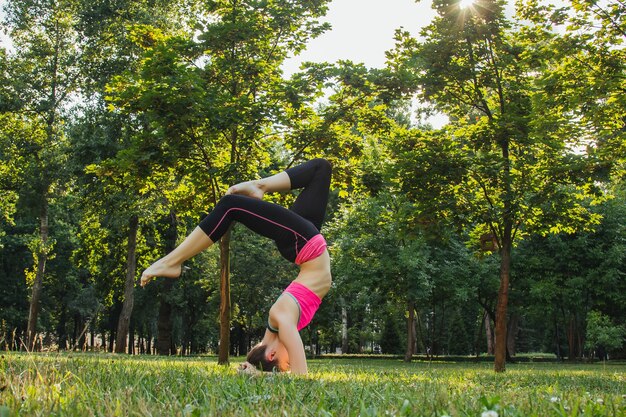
{"x":269,"y":359}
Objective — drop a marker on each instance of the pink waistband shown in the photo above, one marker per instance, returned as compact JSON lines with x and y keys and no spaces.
{"x":306,"y":299}
{"x":312,"y":249}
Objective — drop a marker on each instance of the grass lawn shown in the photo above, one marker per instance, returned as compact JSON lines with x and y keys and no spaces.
{"x":117,"y":385}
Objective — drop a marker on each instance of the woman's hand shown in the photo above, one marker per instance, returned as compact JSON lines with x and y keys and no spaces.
{"x":248,"y":368}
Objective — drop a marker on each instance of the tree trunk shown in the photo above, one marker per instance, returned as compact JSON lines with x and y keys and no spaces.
{"x":79,"y":332}
{"x":581,"y":342}
{"x":410,"y":328}
{"x":442,"y":328}
{"x":42,"y":257}
{"x":503,"y":300}
{"x":111,"y":341}
{"x":242,"y":342}
{"x":489,"y":333}
{"x":312,"y":341}
{"x":419,"y":332}
{"x":344,"y":326}
{"x":62,"y":329}
{"x":131,"y":339}
{"x":415,"y":320}
{"x":224,"y":299}
{"x":131,"y":266}
{"x":479,"y":335}
{"x":512,"y":334}
{"x":574,"y":338}
{"x":431,"y":349}
{"x":164,"y":321}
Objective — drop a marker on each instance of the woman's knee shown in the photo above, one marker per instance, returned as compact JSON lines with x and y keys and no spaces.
{"x":230,"y":200}
{"x":323,"y":165}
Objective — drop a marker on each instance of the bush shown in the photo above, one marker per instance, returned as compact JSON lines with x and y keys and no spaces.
{"x":602,"y":335}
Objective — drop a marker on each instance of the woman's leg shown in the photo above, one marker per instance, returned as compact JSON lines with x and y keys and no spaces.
{"x":257,"y":188}
{"x":170,"y":266}
{"x":275,"y":222}
{"x":264,"y":218}
{"x":314,"y":177}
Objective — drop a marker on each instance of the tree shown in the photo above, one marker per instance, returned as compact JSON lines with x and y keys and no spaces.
{"x":491,"y":169}
{"x":44,"y":70}
{"x":14,"y":132}
{"x":377,"y":260}
{"x":390,"y":337}
{"x":582,"y":79}
{"x":212,"y":121}
{"x":602,"y":335}
{"x":9,"y":168}
{"x":561,"y":278}
{"x":99,"y":137}
{"x":11,"y":135}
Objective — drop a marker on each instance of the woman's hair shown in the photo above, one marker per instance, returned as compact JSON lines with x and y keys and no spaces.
{"x":257,"y":357}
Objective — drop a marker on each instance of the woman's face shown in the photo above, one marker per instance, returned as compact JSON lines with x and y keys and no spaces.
{"x":278,"y":351}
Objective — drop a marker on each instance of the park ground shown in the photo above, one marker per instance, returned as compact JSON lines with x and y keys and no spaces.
{"x":116,"y":385}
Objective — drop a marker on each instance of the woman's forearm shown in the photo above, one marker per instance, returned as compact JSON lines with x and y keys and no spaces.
{"x":290,"y":337}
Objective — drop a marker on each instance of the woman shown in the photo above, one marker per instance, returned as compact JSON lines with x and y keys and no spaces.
{"x":296,"y":232}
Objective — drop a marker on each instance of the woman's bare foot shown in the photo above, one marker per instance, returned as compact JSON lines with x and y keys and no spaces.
{"x":249,"y":188}
{"x":160,"y":269}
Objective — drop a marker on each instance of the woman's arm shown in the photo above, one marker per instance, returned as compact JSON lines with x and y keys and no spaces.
{"x":284,"y":314}
{"x":290,"y":337}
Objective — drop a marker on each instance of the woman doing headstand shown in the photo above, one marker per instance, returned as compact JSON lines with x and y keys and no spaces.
{"x":296,"y":232}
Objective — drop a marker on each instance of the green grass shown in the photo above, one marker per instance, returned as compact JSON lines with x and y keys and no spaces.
{"x":114,"y":385}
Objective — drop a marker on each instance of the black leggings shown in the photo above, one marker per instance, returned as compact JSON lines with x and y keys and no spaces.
{"x":289,"y":228}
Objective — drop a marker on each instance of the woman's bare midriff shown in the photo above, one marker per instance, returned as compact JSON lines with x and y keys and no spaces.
{"x":315,"y":274}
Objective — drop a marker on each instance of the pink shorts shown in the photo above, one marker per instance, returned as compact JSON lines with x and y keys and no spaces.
{"x":312,"y":249}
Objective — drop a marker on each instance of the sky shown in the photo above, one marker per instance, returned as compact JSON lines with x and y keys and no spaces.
{"x":362,"y":30}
